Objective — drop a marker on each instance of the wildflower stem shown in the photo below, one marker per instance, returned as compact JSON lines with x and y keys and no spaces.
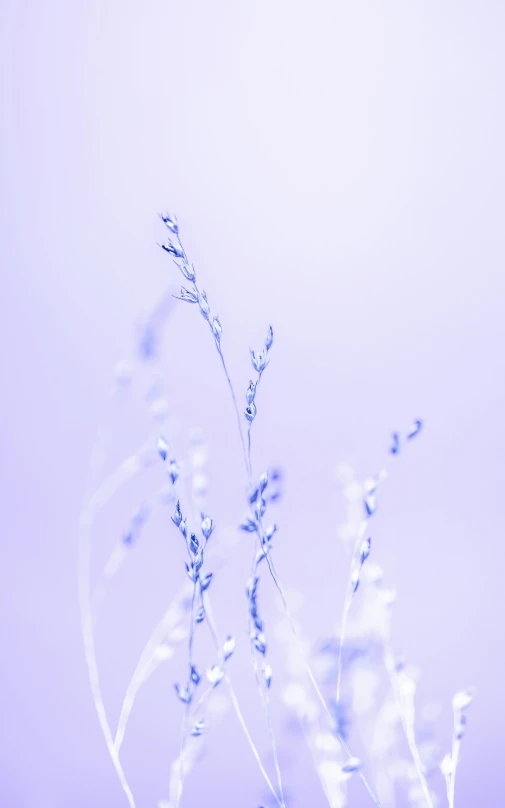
{"x":312,"y":678}
{"x":85,"y":528}
{"x":145,"y":665}
{"x":261,"y":689}
{"x":187,"y":711}
{"x":280,"y":590}
{"x":213,"y":632}
{"x":456,"y":745}
{"x":237,"y":413}
{"x":343,"y":628}
{"x":408,"y":727}
{"x":314,"y":760}
{"x":100,"y":496}
{"x":249,"y":463}
{"x":348,"y":595}
{"x":388,"y":657}
{"x":273,"y":573}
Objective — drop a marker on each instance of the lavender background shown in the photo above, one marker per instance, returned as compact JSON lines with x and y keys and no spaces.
{"x":338,"y":169}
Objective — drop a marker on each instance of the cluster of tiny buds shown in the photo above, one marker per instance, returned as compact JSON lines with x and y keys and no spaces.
{"x":175,"y":249}
{"x":364,"y":552}
{"x":258,"y":638}
{"x":370,"y":500}
{"x":258,"y":500}
{"x":195,"y":547}
{"x":259,"y":362}
{"x":460,"y":704}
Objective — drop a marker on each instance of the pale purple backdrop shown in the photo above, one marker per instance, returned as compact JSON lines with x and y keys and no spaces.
{"x":337,"y":169}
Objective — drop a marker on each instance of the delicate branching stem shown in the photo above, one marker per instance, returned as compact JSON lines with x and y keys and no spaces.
{"x":314,"y":760}
{"x":89,"y":646}
{"x":126,"y":470}
{"x":266,"y":698}
{"x":215,"y":637}
{"x":301,"y":650}
{"x":146,"y":664}
{"x":313,"y":680}
{"x":187,"y":711}
{"x":408,"y":728}
{"x":349,"y":587}
{"x":190,"y":275}
{"x":388,"y":657}
{"x":275,"y":578}
{"x":261,"y":688}
{"x":106,"y":490}
{"x":346,"y":610}
{"x":237,"y":411}
{"x":205,"y":603}
{"x":247,"y":460}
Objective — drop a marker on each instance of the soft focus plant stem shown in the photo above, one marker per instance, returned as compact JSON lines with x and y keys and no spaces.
{"x":95,"y":502}
{"x":187,"y":710}
{"x":407,"y":728}
{"x":456,"y":745}
{"x":263,"y":691}
{"x":280,"y":590}
{"x":213,"y":632}
{"x":247,"y":454}
{"x":178,"y":252}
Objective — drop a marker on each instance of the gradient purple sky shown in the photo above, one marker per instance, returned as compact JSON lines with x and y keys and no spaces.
{"x":337,"y":169}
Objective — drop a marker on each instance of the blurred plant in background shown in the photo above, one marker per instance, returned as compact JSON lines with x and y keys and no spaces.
{"x":346,"y":689}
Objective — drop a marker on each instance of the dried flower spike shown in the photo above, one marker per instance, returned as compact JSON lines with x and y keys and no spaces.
{"x":207,"y":526}
{"x":250,"y":412}
{"x":177,"y":516}
{"x":170,"y":221}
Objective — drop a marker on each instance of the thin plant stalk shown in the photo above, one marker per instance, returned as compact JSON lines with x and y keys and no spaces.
{"x":456,"y":746}
{"x":177,"y":251}
{"x":349,"y":592}
{"x":106,"y":490}
{"x":215,"y":637}
{"x":200,"y":297}
{"x":264,"y":693}
{"x":185,"y":720}
{"x":407,"y":728}
{"x":346,"y":610}
{"x":388,"y":659}
{"x":90,"y":651}
{"x":145,"y":667}
{"x":303,"y":656}
{"x":205,"y":602}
